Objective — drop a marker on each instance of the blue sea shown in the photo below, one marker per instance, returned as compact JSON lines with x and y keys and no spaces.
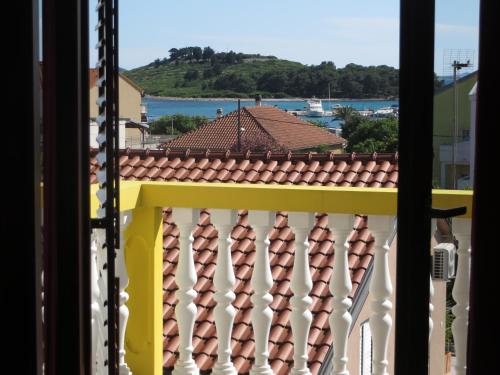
{"x":157,"y":107}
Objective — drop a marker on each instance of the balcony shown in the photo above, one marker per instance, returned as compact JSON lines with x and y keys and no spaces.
{"x":161,"y":245}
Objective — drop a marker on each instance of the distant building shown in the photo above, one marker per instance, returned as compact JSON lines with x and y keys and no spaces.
{"x":262,"y":128}
{"x":443,"y":132}
{"x":133,"y":122}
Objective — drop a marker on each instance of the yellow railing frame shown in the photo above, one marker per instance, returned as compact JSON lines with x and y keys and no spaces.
{"x":144,"y":237}
{"x":368,"y":201}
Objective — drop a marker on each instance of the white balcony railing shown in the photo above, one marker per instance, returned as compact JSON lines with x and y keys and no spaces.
{"x":261,"y":221}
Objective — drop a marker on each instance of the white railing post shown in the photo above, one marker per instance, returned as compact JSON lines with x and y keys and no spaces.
{"x":122,"y":274}
{"x":185,"y":278}
{"x":301,"y":284}
{"x":381,"y":292}
{"x":461,"y":230}
{"x":224,"y":280}
{"x":98,"y":307}
{"x":340,"y":319}
{"x":262,"y":281}
{"x":431,"y":307}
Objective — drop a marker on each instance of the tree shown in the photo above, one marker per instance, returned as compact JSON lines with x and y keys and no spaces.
{"x":234,"y":82}
{"x":197,"y":53}
{"x":208,"y":53}
{"x":174,"y":53}
{"x":374,"y":136}
{"x":191,"y":75}
{"x":181,"y":124}
{"x":351,"y":120}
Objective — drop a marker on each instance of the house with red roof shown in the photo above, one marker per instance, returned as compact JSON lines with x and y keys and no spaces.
{"x":265,"y":126}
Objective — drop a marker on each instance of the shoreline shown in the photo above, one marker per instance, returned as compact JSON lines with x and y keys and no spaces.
{"x":264,"y":100}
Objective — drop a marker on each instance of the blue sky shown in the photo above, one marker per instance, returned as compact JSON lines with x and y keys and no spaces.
{"x":359,"y":31}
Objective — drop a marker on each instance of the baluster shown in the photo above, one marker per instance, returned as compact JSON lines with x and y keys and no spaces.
{"x":431,"y":307}
{"x":185,"y":277}
{"x":301,"y":285}
{"x":340,"y":287}
{"x":224,"y":280}
{"x":262,"y":281}
{"x":434,"y":230}
{"x":94,"y":305}
{"x":101,"y":354}
{"x":122,"y":274}
{"x":461,"y":230}
{"x":381,"y":291}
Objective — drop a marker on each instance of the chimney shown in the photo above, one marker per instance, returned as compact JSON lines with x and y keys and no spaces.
{"x":144,"y":113}
{"x":258,"y":100}
{"x":219,"y":113}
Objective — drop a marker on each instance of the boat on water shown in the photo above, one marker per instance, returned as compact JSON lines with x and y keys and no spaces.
{"x":385,"y":112}
{"x":314,"y":108}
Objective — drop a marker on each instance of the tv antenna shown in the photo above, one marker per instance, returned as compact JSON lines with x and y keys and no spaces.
{"x":454,"y":61}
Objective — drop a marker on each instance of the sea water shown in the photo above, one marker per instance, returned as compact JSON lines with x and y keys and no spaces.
{"x":157,"y":107}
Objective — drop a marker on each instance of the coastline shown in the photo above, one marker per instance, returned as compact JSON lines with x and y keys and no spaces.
{"x":263,"y":99}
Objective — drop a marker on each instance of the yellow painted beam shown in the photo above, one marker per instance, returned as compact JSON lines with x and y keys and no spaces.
{"x":144,"y":259}
{"x":453,"y":198}
{"x":368,"y":201}
{"x":271,"y":197}
{"x":130,"y":196}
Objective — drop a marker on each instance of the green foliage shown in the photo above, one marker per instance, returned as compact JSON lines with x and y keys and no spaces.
{"x":191,"y":75}
{"x":208,"y":53}
{"x":322,"y":148}
{"x":181,"y":124}
{"x":266,"y":75}
{"x":319,"y":124}
{"x":235,"y":82}
{"x":365,"y":135}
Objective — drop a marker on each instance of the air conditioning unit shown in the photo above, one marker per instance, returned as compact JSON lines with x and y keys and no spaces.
{"x":443,"y":262}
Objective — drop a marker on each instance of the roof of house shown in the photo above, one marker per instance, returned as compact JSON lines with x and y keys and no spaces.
{"x":374,"y":170}
{"x":285,"y":129}
{"x":328,"y":169}
{"x":94,"y":74}
{"x":460,"y":80}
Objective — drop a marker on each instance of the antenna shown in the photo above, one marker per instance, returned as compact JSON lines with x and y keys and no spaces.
{"x":455,"y":60}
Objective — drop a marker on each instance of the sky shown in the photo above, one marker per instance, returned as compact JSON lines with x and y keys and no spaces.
{"x":364,"y":32}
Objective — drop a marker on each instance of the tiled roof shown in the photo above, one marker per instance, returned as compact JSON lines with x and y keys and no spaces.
{"x":94,"y":75}
{"x":286,"y":130}
{"x":362,"y":170}
{"x":327,"y":169}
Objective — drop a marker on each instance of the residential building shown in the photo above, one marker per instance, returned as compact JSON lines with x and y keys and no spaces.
{"x":261,"y":128}
{"x":133,"y":117}
{"x":444,"y":108}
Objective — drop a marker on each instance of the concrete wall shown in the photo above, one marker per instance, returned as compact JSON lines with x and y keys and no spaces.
{"x":437,"y":343}
{"x":133,"y":138}
{"x":130,"y":101}
{"x":354,"y":344}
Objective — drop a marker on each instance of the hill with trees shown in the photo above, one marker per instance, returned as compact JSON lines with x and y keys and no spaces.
{"x":203,"y":72}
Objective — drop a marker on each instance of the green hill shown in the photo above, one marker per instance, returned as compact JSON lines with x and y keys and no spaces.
{"x":193,"y":72}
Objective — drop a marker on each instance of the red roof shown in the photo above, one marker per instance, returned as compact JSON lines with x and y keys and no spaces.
{"x":293,"y":168}
{"x":328,"y":169}
{"x":284,"y":129}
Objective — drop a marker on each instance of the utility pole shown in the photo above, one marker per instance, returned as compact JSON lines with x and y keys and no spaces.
{"x":172,"y":126}
{"x":239,"y":125}
{"x":456,"y":67}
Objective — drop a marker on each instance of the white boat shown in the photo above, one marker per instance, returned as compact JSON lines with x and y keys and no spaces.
{"x":315,"y":108}
{"x":384,"y":112}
